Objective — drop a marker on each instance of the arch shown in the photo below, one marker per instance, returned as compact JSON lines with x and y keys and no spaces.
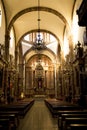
{"x":39,"y":56}
{"x":59,"y":43}
{"x":48,"y":53}
{"x":36,"y":9}
{"x":41,"y":30}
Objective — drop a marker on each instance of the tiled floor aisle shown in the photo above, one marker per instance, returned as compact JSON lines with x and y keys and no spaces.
{"x":38,"y":118}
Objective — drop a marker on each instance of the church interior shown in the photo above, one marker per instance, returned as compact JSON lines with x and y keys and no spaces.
{"x":43,"y":64}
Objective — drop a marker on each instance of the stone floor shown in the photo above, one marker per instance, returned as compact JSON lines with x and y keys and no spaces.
{"x":38,"y":118}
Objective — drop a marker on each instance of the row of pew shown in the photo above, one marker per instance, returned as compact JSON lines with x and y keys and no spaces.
{"x":10,"y":114}
{"x":70,"y":116}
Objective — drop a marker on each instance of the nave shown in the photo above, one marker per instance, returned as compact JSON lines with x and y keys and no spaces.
{"x":38,"y":118}
{"x":43,"y":51}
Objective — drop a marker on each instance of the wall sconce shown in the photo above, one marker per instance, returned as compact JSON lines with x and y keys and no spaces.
{"x":22,"y":95}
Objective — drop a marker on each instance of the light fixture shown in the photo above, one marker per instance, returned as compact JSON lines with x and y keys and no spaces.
{"x":39,"y":43}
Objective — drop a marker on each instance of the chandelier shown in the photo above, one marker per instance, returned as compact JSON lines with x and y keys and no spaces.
{"x":39,"y":43}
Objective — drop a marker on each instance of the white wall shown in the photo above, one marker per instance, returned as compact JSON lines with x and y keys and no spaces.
{"x":77,"y":31}
{"x":2,"y":27}
{"x":12,"y":43}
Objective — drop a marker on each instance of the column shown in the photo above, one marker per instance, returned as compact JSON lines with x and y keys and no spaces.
{"x":33,"y":78}
{"x":20,"y":78}
{"x":24,"y":78}
{"x":55,"y":82}
{"x":45,"y":79}
{"x":7,"y":40}
{"x":16,"y":58}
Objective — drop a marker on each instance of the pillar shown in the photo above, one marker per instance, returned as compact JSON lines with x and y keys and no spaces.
{"x":55,"y":80}
{"x":7,"y":40}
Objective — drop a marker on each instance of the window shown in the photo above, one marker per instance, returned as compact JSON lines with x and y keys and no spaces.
{"x":46,"y":36}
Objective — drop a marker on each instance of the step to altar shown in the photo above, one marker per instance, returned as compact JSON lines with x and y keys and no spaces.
{"x":40,"y":96}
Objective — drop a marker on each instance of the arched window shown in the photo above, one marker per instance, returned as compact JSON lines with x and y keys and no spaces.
{"x":48,"y":40}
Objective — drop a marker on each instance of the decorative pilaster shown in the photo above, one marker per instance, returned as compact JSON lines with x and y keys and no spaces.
{"x":16,"y":57}
{"x":6,"y":85}
{"x":21,"y":78}
{"x":7,"y":40}
{"x":71,"y":53}
{"x":55,"y":80}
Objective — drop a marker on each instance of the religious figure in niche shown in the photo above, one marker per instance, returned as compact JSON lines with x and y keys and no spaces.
{"x":79,"y":50}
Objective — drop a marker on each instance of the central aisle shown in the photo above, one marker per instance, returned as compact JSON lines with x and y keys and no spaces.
{"x":38,"y":118}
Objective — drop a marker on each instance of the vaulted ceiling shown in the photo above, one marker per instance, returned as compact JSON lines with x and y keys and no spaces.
{"x":55,"y":15}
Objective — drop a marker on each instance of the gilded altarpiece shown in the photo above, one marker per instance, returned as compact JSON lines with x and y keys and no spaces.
{"x":39,"y":81}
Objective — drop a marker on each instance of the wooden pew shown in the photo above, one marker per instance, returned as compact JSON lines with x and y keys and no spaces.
{"x":62,"y":118}
{"x":5,"y":124}
{"x":12,"y":120}
{"x":15,"y":113}
{"x":61,"y":121}
{"x":72,"y":112}
{"x":21,"y":107}
{"x":77,"y":127}
{"x":74,"y":120}
{"x":56,"y":106}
